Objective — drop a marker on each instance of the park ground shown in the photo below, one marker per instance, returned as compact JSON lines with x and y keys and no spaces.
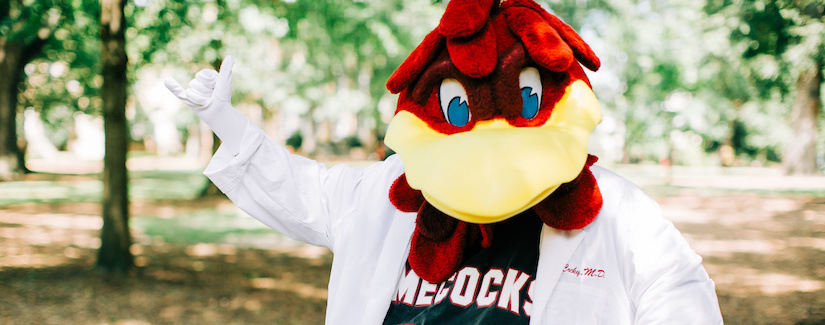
{"x":202,"y":261}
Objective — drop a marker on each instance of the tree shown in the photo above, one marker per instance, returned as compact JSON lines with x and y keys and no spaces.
{"x":114,"y":251}
{"x":25,"y":28}
{"x":785,"y":43}
{"x":800,"y":157}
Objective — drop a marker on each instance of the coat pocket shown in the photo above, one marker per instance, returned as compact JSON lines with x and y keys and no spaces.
{"x":573,"y":303}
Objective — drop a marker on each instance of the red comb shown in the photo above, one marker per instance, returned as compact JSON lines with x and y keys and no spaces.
{"x":471,"y":40}
{"x":465,"y":17}
{"x":474,"y":56}
{"x":543,"y":43}
{"x":415,"y":63}
{"x":581,"y":50}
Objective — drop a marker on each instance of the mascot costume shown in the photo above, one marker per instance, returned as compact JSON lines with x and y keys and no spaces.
{"x":491,"y":212}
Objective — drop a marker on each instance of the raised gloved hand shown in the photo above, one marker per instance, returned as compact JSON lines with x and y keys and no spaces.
{"x":209,"y":96}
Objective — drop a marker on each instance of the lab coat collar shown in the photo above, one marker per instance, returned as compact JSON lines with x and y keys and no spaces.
{"x":390,"y":265}
{"x":556,"y":247}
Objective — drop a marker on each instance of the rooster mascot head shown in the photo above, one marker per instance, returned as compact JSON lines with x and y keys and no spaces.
{"x":493,"y":117}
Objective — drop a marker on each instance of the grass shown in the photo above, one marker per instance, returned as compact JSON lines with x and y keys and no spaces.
{"x":63,"y":188}
{"x":201,"y":226}
{"x":187,"y":226}
{"x":673,"y":190}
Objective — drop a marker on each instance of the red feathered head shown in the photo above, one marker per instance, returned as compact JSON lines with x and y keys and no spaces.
{"x":479,"y":34}
{"x":494,"y":109}
{"x":493,"y":118}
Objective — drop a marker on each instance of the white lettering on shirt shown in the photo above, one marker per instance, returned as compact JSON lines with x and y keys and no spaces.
{"x":467,"y":287}
{"x":424,"y":299}
{"x":486,"y":298}
{"x":528,"y":305}
{"x":464,"y":289}
{"x":407,"y":286}
{"x":511,"y":290}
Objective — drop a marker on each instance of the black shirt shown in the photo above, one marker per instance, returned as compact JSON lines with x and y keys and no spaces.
{"x":492,"y":286}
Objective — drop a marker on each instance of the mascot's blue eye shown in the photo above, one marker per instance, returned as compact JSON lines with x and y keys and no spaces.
{"x":530,"y":83}
{"x":530,"y":103}
{"x":453,"y":101}
{"x":458,"y":113}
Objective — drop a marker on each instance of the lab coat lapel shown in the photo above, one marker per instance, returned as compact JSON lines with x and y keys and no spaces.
{"x":390,"y":264}
{"x":556,"y":248}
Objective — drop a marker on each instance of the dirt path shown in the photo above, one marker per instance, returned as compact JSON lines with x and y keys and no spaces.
{"x":766,"y":254}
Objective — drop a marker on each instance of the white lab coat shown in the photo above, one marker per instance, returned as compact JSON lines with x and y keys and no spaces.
{"x":639,"y":269}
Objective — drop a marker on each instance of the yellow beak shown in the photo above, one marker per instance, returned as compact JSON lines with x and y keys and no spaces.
{"x":495,"y":170}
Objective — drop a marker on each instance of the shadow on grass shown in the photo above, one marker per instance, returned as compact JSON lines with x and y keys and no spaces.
{"x":765,"y":253}
{"x":246,"y":287}
{"x":759,"y":309}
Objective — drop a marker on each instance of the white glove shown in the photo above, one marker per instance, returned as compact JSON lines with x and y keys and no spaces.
{"x":209,"y":96}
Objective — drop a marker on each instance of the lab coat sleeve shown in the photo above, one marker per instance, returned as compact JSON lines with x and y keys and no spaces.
{"x":667,"y":282}
{"x":296,"y":196}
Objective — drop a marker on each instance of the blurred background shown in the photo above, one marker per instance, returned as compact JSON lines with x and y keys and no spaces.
{"x":712,"y":106}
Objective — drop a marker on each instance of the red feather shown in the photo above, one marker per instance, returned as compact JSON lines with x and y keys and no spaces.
{"x":404,"y":197}
{"x":573,"y":205}
{"x":434,"y":224}
{"x":581,"y":50}
{"x":543,"y":43}
{"x":463,"y":18}
{"x":435,"y":261}
{"x":474,"y":56}
{"x":415,"y":63}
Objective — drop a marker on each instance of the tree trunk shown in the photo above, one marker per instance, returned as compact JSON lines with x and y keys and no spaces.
{"x":11,"y":157}
{"x":115,"y":239}
{"x":800,"y":156}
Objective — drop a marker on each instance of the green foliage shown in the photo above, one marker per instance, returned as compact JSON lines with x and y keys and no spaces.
{"x":295,"y":140}
{"x":29,"y":20}
{"x":775,"y":41}
{"x":45,"y":31}
{"x":719,"y":71}
{"x":776,"y":38}
{"x":313,"y":59}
